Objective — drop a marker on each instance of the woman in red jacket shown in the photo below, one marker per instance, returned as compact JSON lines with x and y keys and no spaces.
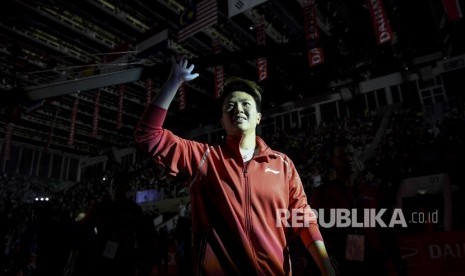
{"x":245,"y":197}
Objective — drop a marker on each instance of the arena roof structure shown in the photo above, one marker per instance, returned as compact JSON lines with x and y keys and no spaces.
{"x":56,"y":56}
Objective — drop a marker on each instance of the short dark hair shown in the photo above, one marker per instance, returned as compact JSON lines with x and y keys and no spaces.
{"x":233,"y":84}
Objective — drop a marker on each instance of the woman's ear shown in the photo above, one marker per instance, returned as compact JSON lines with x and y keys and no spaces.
{"x":259,"y":118}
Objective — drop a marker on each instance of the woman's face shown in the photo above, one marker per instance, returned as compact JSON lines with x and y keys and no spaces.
{"x":239,"y":114}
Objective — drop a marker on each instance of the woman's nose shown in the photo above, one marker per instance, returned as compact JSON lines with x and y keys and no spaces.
{"x":238,"y":108}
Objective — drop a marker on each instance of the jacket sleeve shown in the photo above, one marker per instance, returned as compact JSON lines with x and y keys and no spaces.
{"x":298,"y":201}
{"x":149,"y":130}
{"x":167,"y":149}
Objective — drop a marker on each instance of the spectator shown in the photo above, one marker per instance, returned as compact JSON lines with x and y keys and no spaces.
{"x":354,"y":251}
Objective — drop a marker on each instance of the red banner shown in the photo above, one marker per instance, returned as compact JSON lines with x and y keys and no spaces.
{"x":95,"y":117}
{"x":380,"y":21}
{"x":315,"y":56}
{"x":310,"y":20}
{"x":182,"y":97}
{"x":7,"y":142}
{"x":312,"y":34}
{"x":262,"y":63}
{"x":119,"y":114}
{"x":218,"y":70}
{"x":73,"y":121}
{"x":453,"y":10}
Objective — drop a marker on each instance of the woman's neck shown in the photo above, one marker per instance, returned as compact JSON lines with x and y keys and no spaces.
{"x":248,"y":142}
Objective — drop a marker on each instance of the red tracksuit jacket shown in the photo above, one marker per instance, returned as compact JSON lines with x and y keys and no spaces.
{"x":234,"y":204}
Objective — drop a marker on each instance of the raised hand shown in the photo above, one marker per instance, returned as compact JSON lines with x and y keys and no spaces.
{"x":180,"y":72}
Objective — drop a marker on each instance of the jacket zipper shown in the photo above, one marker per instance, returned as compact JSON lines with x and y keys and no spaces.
{"x":247,"y":202}
{"x":248,"y":215}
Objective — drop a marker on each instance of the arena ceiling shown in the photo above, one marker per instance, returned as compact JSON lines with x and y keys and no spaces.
{"x":54,"y":52}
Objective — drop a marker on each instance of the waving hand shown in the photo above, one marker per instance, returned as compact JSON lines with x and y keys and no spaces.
{"x":180,"y":71}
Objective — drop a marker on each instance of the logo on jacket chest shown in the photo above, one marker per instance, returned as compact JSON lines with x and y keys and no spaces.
{"x":271,"y":171}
